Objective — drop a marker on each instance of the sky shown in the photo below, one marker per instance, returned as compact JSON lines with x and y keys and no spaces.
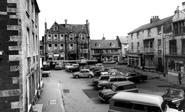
{"x":108,"y":18}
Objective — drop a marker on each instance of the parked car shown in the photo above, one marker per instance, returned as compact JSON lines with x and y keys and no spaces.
{"x":58,"y":66}
{"x":97,"y":67}
{"x":108,"y":84}
{"x":83,"y":73}
{"x":73,"y":68}
{"x":127,"y":86}
{"x":109,"y":71}
{"x":45,"y":70}
{"x":102,"y":77}
{"x":175,"y":97}
{"x":135,"y":76}
{"x":138,"y":102}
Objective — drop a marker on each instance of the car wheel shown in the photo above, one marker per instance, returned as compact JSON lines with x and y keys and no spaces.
{"x":108,"y":100}
{"x":90,"y":76}
{"x":104,"y":87}
{"x":76,"y":76}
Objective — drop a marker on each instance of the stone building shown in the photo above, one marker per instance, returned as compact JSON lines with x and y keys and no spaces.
{"x":146,"y":45}
{"x":105,"y":50}
{"x":174,"y":42}
{"x":67,"y":41}
{"x":20,"y":78}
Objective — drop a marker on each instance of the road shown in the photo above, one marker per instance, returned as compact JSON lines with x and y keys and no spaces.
{"x":80,"y":96}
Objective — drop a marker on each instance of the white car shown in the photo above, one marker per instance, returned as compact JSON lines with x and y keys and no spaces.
{"x":83,"y":73}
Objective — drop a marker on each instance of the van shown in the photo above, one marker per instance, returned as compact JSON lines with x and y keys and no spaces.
{"x":138,"y":102}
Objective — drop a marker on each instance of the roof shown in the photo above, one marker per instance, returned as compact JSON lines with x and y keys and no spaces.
{"x":123,"y":83}
{"x":104,"y":44}
{"x":154,"y":100}
{"x":151,"y":25}
{"x":67,"y":28}
{"x":123,"y":39}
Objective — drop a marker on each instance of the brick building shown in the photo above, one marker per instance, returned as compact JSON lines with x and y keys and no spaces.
{"x":20,"y":77}
{"x":67,"y":41}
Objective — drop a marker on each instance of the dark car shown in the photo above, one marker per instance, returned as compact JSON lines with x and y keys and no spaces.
{"x":127,"y":86}
{"x":175,"y":98}
{"x":135,"y":76}
{"x":102,"y":77}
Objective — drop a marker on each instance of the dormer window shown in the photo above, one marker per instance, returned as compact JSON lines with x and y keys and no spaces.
{"x":71,"y":37}
{"x":55,"y":28}
{"x":97,"y":44}
{"x":112,"y":44}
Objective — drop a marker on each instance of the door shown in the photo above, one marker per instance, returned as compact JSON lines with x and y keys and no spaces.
{"x":160,"y":66}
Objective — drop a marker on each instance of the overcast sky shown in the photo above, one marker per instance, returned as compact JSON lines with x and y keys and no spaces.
{"x":110,"y":18}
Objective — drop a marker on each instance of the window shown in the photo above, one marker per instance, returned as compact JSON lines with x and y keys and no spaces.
{"x":131,"y":35}
{"x":137,"y":34}
{"x":183,"y":46}
{"x":49,"y":45}
{"x":159,"y":42}
{"x":62,"y":45}
{"x":131,"y":86}
{"x":151,"y":44}
{"x":149,"y":31}
{"x":139,"y":107}
{"x":159,"y":30}
{"x":55,"y":45}
{"x":132,"y":46}
{"x":61,"y":37}
{"x":49,"y":37}
{"x":137,"y":45}
{"x":112,"y":44}
{"x":97,"y":44}
{"x":127,"y":105}
{"x":179,"y":27}
{"x":55,"y":28}
{"x":173,"y":47}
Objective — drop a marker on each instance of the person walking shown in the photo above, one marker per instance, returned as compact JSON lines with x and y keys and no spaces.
{"x":180,"y":77}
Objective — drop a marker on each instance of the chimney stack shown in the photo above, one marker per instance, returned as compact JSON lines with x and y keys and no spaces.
{"x":65,"y":21}
{"x":154,"y":19}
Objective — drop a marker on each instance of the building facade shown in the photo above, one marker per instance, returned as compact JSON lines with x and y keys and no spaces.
{"x":146,"y":45}
{"x":67,"y":41}
{"x":105,"y":50}
{"x":20,"y":78}
{"x":174,"y":40}
{"x":124,"y":46}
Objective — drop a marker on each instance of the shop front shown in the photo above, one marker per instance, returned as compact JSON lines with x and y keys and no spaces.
{"x":135,"y":60}
{"x":174,"y":64}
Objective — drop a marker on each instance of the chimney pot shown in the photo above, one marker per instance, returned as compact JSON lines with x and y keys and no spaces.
{"x":65,"y":21}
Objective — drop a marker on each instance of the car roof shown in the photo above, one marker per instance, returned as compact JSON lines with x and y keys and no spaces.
{"x":121,"y":83}
{"x":144,"y":98}
{"x":116,"y":76}
{"x":105,"y":75}
{"x":84,"y":69}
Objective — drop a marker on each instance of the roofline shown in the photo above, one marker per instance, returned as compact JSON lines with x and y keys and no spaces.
{"x":149,"y":24}
{"x":36,"y":4}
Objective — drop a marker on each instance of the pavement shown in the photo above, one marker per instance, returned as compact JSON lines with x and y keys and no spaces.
{"x":53,"y":101}
{"x":170,"y":79}
{"x":51,"y":97}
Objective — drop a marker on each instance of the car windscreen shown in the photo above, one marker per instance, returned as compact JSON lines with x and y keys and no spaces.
{"x":104,"y":78}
